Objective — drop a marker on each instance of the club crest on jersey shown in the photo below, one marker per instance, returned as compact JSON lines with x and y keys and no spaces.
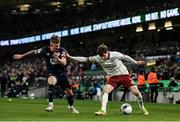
{"x":58,"y":54}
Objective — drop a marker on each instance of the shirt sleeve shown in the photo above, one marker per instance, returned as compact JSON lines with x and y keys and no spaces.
{"x":120,"y":55}
{"x":93,"y":58}
{"x":39,"y":51}
{"x":125,"y":57}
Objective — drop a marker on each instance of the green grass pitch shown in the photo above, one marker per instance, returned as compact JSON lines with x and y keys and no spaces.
{"x":34,"y":110}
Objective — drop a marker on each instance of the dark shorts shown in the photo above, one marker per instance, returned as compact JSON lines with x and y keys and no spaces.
{"x":62,"y":81}
{"x":124,"y":80}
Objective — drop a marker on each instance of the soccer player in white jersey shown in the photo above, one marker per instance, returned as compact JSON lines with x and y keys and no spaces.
{"x":117,"y":74}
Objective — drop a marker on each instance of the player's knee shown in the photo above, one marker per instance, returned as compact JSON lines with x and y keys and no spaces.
{"x":107,"y":89}
{"x":69,"y":92}
{"x":52,"y":80}
{"x":137,"y":93}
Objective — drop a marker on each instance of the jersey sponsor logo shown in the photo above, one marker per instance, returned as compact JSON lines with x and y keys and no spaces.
{"x":53,"y":61}
{"x":58,"y":53}
{"x":109,"y":65}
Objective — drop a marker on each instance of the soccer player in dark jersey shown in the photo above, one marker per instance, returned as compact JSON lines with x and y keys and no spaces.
{"x":55,"y":59}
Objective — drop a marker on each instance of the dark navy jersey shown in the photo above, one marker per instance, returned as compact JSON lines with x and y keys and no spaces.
{"x":53,"y":67}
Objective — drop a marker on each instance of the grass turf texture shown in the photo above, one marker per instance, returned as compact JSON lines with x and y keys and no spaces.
{"x":34,"y":110}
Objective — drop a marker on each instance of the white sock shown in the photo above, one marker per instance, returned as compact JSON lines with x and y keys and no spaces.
{"x":104,"y":102}
{"x":51,"y":103}
{"x":70,"y":106}
{"x":140,"y":101}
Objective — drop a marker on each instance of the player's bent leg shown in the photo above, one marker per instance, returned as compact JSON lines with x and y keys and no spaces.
{"x":70,"y":100}
{"x":50,"y":97}
{"x":73,"y":109}
{"x":50,"y":108}
{"x":51,"y":81}
{"x":144,"y":110}
{"x":107,"y":89}
{"x":136,"y":92}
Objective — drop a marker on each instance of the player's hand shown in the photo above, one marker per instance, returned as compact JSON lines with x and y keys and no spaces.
{"x":140,"y":62}
{"x":17,"y":56}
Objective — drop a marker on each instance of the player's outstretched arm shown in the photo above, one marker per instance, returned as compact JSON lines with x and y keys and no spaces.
{"x":20,"y":56}
{"x":140,"y":62}
{"x":77,"y":58}
{"x":128,"y":58}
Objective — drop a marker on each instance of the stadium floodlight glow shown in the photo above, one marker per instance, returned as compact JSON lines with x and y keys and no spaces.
{"x":74,"y":4}
{"x":24,"y":7}
{"x":152,"y":26}
{"x":168,"y":24}
{"x":14,"y":11}
{"x":139,"y":28}
{"x":55,"y":3}
{"x":81,"y":2}
{"x":158,"y":30}
{"x":89,"y":3}
{"x":169,"y":28}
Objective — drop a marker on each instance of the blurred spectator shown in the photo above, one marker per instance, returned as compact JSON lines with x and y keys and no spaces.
{"x":177,"y":74}
{"x":141,"y":82}
{"x":93,"y":66}
{"x":153,"y":84}
{"x":125,"y":92}
{"x":3,"y":82}
{"x":173,"y":84}
{"x":99,"y":92}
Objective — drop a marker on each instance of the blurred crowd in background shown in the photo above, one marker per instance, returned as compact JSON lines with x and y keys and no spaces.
{"x":20,"y":75}
{"x":17,"y":77}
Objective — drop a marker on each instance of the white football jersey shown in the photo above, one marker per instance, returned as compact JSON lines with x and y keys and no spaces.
{"x":112,"y":66}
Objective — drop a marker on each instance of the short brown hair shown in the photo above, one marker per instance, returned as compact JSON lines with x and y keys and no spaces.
{"x":102,"y":49}
{"x":55,"y":39}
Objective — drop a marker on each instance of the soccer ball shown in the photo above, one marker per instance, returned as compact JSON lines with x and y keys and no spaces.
{"x":126,"y":108}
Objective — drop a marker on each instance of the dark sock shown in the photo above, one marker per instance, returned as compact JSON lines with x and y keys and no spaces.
{"x":51,"y":92}
{"x":70,"y":100}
